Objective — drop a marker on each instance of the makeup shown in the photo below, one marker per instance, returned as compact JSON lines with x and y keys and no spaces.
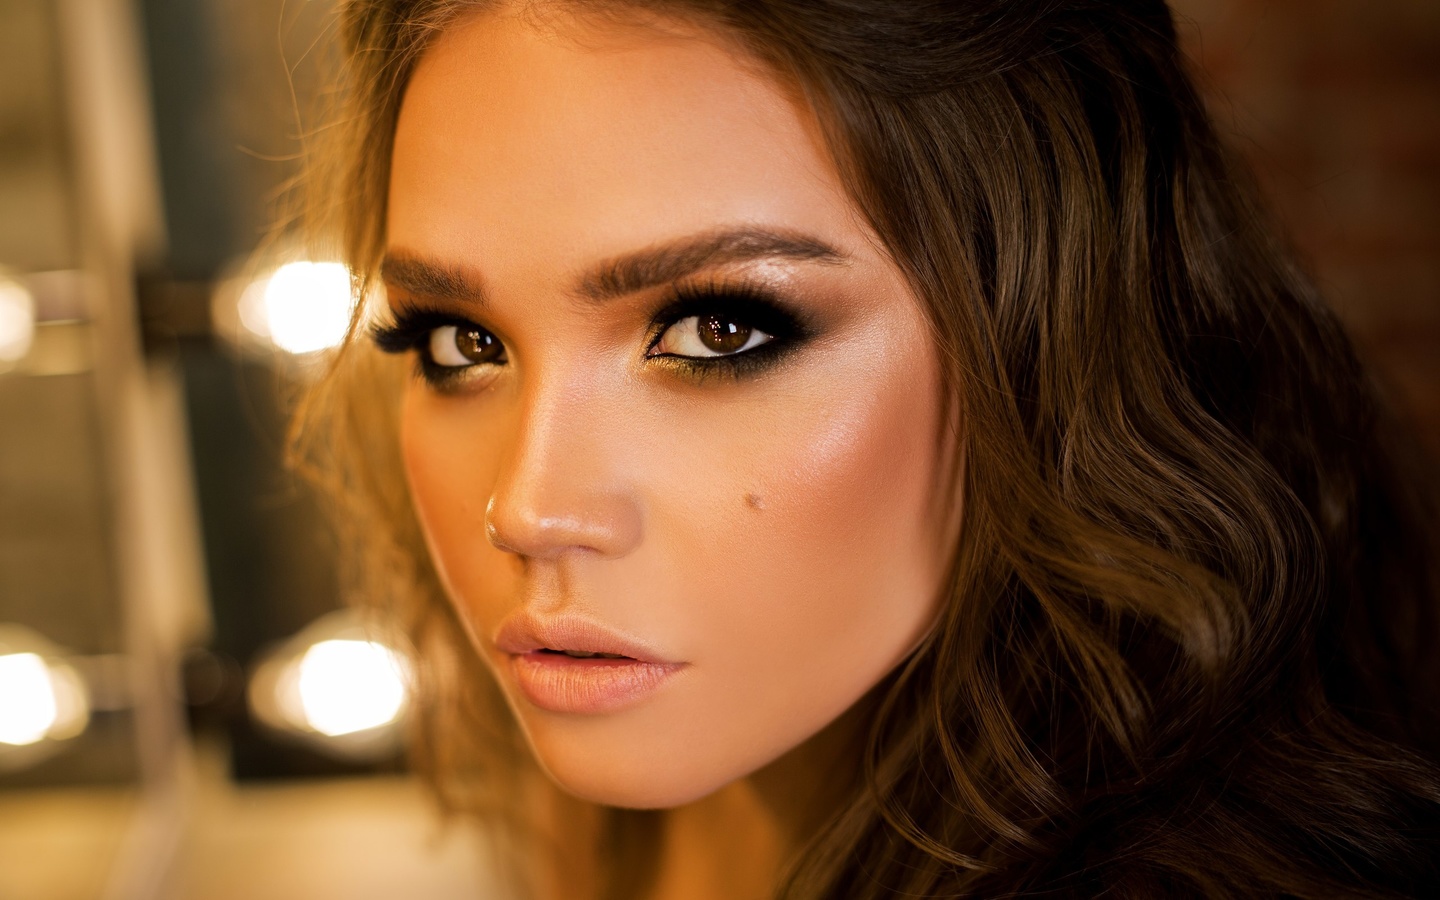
{"x":416,"y":329}
{"x":692,"y":313}
{"x":732,"y":306}
{"x":571,"y":665}
{"x":777,"y":331}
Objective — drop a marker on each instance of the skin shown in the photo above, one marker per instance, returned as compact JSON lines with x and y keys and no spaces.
{"x":775,"y":534}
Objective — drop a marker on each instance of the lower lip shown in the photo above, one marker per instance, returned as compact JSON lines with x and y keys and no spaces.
{"x":566,"y":684}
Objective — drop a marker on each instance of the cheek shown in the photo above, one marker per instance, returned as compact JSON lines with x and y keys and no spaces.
{"x":842,"y":520}
{"x":788,"y":556}
{"x":822,"y":573}
{"x":451,"y":458}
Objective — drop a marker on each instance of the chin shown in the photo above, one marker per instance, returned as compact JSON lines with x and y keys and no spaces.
{"x":629,"y":769}
{"x":644,"y":792}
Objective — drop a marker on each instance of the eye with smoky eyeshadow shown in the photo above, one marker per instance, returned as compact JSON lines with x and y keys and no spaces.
{"x":734,"y":330}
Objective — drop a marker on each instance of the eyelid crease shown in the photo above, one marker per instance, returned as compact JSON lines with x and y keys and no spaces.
{"x":752,"y":304}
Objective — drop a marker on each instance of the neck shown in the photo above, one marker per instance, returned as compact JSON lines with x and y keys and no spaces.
{"x":735,"y":843}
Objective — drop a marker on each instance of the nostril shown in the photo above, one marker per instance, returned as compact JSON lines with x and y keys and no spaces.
{"x":604,"y":524}
{"x":540,"y":507}
{"x":492,"y":533}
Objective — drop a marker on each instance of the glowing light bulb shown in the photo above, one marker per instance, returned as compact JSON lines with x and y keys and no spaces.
{"x":17,"y":321}
{"x":302,"y":307}
{"x":347,"y":686}
{"x":27,"y":699}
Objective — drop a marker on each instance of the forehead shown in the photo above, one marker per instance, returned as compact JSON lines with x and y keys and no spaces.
{"x":572,"y":140}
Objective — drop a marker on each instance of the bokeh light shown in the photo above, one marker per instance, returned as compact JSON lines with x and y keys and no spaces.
{"x":28,"y":709}
{"x":17,"y":321}
{"x":302,"y":307}
{"x":348,"y":686}
{"x":337,"y":686}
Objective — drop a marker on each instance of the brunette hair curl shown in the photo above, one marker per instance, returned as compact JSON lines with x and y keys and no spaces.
{"x":1184,"y":651}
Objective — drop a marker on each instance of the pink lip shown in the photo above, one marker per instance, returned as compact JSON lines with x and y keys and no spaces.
{"x":559,"y":683}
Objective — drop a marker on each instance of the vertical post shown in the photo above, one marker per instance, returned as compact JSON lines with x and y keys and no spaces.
{"x":151,"y":503}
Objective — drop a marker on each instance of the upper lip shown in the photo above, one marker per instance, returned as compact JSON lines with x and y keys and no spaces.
{"x":526,"y":633}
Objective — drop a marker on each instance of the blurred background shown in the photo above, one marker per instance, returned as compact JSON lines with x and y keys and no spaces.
{"x":185,"y":709}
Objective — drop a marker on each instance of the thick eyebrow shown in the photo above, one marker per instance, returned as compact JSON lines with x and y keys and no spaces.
{"x":670,"y":262}
{"x":626,"y":274}
{"x":425,"y":278}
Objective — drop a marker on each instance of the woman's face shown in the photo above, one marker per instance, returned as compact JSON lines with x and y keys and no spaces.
{"x":674,"y":405}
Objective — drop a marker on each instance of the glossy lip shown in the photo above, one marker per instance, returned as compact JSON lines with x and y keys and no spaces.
{"x":564,"y":684}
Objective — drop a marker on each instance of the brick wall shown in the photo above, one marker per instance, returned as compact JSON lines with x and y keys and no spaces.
{"x":1336,"y":104}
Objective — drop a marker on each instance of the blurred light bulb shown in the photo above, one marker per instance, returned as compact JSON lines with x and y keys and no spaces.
{"x":28,"y":708}
{"x":301,"y":307}
{"x":335,"y":686}
{"x":347,"y":686}
{"x":17,"y":321}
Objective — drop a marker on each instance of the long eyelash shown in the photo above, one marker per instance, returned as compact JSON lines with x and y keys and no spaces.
{"x":411,"y":329}
{"x":744,"y":302}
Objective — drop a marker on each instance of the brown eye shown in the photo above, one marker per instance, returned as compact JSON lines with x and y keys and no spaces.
{"x":709,"y":336}
{"x":722,"y":335}
{"x":477,"y":345}
{"x":454,"y":346}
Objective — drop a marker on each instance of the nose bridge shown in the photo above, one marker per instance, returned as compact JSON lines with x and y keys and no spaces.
{"x":562,"y":485}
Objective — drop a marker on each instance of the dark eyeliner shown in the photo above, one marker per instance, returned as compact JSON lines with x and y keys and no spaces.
{"x":749,"y":304}
{"x":410,"y":331}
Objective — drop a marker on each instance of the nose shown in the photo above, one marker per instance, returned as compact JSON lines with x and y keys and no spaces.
{"x":564,"y":485}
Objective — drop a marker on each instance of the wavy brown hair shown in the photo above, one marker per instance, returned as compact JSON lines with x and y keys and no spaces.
{"x":1189,"y":618}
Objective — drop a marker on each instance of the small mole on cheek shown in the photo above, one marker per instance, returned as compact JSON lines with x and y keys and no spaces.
{"x":754,"y":501}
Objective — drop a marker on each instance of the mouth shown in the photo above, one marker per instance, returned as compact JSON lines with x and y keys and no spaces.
{"x":570,"y":636}
{"x":572,"y":665}
{"x":581,"y":654}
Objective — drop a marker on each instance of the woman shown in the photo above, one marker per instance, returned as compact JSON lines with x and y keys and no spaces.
{"x":863,"y":449}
